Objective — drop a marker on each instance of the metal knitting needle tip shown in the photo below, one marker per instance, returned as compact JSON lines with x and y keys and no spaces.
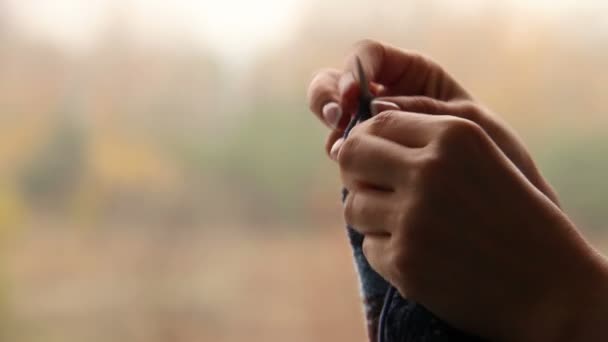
{"x":363,"y":83}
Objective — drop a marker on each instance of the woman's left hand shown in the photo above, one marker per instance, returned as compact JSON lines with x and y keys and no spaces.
{"x":452,"y":223}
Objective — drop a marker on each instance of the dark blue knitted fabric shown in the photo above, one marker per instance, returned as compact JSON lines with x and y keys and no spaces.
{"x":372,"y":286}
{"x":407,"y":321}
{"x":403,"y":320}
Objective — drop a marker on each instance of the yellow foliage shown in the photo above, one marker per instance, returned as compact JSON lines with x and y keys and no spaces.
{"x":19,"y":139}
{"x":116,"y":160}
{"x":12,"y":210}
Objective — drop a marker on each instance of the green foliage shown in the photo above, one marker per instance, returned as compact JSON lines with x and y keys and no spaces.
{"x":54,"y":170}
{"x":577,"y":167}
{"x":270,"y":160}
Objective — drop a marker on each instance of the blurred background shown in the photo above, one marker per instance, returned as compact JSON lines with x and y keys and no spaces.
{"x":161,"y":178}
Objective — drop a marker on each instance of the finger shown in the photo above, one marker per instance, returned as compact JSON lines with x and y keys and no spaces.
{"x":371,"y":211}
{"x":414,"y":104}
{"x":413,"y":130}
{"x":405,"y":71}
{"x":400,"y":71}
{"x":335,"y":149}
{"x":500,"y":133}
{"x":323,"y":97}
{"x":427,"y":105}
{"x":467,"y":110}
{"x":348,"y":88}
{"x":376,"y":251}
{"x":331,"y":139}
{"x":368,"y":161}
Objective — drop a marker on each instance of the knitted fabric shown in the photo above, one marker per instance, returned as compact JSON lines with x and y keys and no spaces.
{"x":392,"y":318}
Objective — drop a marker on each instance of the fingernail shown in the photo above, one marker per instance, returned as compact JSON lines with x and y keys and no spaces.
{"x":335,"y":149}
{"x":332,"y":114}
{"x":379,"y":106}
{"x":345,"y":82}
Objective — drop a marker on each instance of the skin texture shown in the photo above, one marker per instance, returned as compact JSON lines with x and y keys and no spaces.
{"x":437,"y":182}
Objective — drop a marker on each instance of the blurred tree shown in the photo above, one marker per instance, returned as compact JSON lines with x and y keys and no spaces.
{"x":53,"y":174}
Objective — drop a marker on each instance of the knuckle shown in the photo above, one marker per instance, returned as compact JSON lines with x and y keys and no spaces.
{"x":366,"y":248}
{"x":470,"y":110}
{"x":368,"y":50}
{"x":430,"y":168}
{"x":313,"y":87}
{"x":318,"y":93}
{"x":368,"y":44}
{"x":425,"y":62}
{"x":331,"y":139}
{"x":422,"y":105}
{"x":380,"y":123}
{"x":458,"y":132}
{"x":427,"y":171}
{"x":348,"y":151}
{"x":374,"y":256}
{"x":349,"y":208}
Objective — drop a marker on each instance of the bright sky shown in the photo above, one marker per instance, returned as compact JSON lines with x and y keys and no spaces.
{"x":227,"y":26}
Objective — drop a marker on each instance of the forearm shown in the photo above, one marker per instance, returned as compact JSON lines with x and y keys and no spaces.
{"x":566,"y":298}
{"x":586,"y":306}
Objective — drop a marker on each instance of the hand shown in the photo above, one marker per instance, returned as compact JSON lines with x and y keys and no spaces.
{"x":453,"y":224}
{"x":455,"y":212}
{"x":414,"y":83}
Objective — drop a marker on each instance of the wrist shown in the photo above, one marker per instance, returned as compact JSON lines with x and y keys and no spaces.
{"x":574,"y":306}
{"x":588,"y":319}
